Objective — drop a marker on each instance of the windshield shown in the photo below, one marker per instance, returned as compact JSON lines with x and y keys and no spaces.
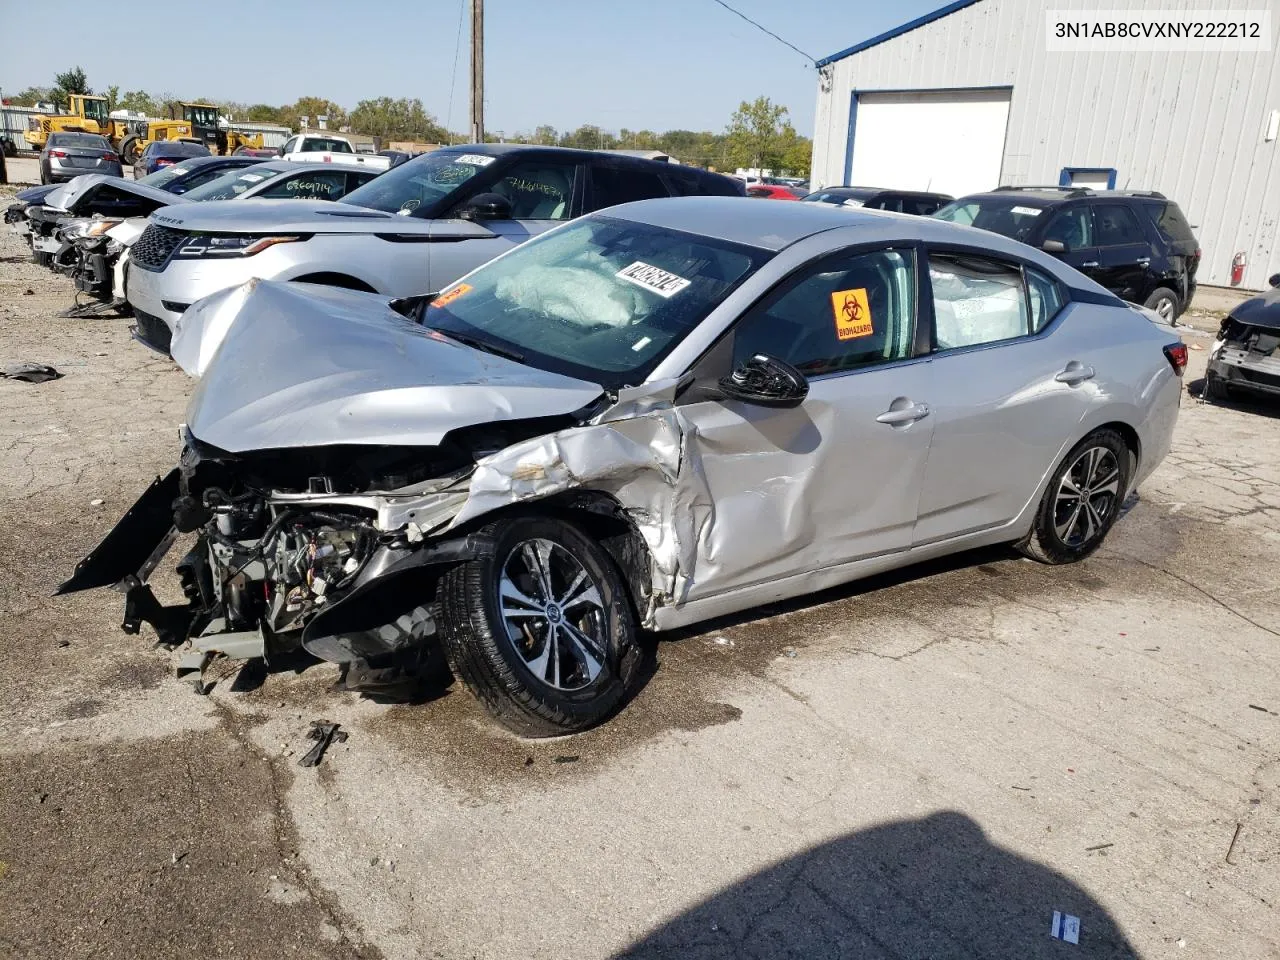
{"x":95,"y":110}
{"x":1010,"y":216}
{"x":411,"y":188}
{"x":324,"y":145}
{"x":203,"y":116}
{"x":601,"y":299}
{"x":166,"y":174}
{"x":231,"y":185}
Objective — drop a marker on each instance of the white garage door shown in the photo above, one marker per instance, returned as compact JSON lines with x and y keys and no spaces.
{"x":950,"y":141}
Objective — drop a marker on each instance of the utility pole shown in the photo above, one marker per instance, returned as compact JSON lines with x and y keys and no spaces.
{"x":477,"y":71}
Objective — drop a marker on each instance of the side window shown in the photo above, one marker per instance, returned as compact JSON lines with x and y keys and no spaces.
{"x":538,"y":190}
{"x":309,"y":185}
{"x":290,"y":144}
{"x":759,"y":193}
{"x":1115,"y":224}
{"x":920,"y":206}
{"x":845,"y":312}
{"x":1072,"y":227}
{"x":975,"y":301}
{"x":358,"y":180}
{"x":611,"y":186}
{"x":1046,"y":298}
{"x":203,"y":176}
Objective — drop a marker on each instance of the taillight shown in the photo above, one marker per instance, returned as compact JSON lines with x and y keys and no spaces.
{"x":109,"y":156}
{"x":60,"y":154}
{"x":1177,"y":354}
{"x":164,"y":163}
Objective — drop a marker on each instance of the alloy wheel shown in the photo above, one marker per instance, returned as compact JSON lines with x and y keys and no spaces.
{"x":553,"y":613}
{"x":1165,"y":308}
{"x":1088,"y":494}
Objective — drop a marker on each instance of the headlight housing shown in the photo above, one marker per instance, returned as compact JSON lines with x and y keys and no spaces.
{"x":227,"y":245}
{"x":99,"y":227}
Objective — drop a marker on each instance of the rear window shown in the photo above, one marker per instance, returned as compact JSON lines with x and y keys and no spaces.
{"x":325,"y":145}
{"x":1172,"y":223}
{"x":90,"y":140}
{"x":181,"y":149}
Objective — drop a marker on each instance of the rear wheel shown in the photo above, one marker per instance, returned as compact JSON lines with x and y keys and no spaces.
{"x":1164,"y":302}
{"x":1082,"y":500}
{"x":541,"y":630}
{"x":129,"y":151}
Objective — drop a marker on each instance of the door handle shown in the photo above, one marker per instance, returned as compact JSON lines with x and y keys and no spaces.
{"x":1075,"y":373}
{"x":1089,"y":263}
{"x":1143,"y":260}
{"x":908,"y":414}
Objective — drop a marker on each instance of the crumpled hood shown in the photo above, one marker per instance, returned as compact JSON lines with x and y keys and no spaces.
{"x":299,"y":365}
{"x":36,"y":194}
{"x":1263,"y":311}
{"x":81,"y":190}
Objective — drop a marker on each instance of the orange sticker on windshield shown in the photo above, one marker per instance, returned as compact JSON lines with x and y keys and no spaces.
{"x":852,"y":313}
{"x":444,"y":299}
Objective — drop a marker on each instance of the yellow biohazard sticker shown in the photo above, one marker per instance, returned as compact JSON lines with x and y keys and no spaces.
{"x":446,"y":298}
{"x":852,"y":313}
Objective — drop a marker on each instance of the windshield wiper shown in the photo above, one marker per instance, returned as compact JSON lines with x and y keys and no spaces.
{"x":479,"y":344}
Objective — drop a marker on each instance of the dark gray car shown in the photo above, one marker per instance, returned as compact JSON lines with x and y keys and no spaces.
{"x":68,"y":155}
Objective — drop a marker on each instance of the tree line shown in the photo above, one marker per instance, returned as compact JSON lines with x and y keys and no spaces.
{"x":759,"y":134}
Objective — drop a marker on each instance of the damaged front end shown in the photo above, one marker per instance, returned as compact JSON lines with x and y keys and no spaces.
{"x":1244,"y":355}
{"x":327,"y":549}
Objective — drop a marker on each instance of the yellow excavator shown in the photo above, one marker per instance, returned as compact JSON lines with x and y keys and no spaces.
{"x":88,"y":113}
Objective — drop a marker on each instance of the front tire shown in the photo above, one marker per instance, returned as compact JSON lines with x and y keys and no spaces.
{"x":541,"y":629}
{"x":130,"y":151}
{"x":1082,"y":500}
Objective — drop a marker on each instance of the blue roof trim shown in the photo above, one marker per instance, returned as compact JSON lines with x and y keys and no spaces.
{"x":938,"y":14}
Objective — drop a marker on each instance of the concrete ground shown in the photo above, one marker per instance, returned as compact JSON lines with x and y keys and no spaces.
{"x":24,"y":171}
{"x":924,"y":765}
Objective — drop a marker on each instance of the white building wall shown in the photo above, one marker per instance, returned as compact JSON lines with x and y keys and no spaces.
{"x":1190,"y":125}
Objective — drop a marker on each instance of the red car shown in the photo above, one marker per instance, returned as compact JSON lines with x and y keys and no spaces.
{"x":769,"y":191}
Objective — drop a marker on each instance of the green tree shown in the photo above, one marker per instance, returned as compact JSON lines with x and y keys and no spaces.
{"x":311,"y":108}
{"x":113,"y":97}
{"x":262,"y":113}
{"x":69,"y":82}
{"x":397,"y":119}
{"x":589,"y":137}
{"x":31,"y":96}
{"x":545,"y":135}
{"x":139,"y":101}
{"x":759,"y":134}
{"x":797,"y":156}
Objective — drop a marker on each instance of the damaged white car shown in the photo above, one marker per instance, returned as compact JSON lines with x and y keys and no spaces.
{"x":666,"y":412}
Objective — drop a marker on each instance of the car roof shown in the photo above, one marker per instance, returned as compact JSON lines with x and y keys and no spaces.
{"x":612,"y":156}
{"x":775,"y":226}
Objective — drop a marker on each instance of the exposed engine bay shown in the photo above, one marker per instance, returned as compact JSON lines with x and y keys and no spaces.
{"x":1246,"y":352}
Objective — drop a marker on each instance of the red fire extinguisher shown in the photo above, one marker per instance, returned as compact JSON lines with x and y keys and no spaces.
{"x":1237,"y":269}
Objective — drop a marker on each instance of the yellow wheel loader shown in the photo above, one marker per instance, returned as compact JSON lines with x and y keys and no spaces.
{"x":205,"y":127}
{"x":89,"y":113}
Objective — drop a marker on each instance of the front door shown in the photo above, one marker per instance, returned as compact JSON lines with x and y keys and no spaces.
{"x":838,"y":477}
{"x":1011,"y":383}
{"x":542,"y":194}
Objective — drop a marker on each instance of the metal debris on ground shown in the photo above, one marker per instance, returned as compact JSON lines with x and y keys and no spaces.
{"x":1232,"y":847}
{"x":29,"y":372}
{"x":1100,"y":846}
{"x":324,"y":733}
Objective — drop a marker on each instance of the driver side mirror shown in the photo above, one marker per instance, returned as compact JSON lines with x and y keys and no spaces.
{"x":765,"y":382}
{"x":486,"y":206}
{"x":1053,"y":246}
{"x":1275,"y":280}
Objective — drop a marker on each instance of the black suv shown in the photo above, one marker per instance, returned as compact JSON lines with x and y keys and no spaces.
{"x":1137,"y":244}
{"x":875,"y":198}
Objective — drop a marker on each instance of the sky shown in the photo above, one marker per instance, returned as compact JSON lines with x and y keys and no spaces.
{"x":652,"y":64}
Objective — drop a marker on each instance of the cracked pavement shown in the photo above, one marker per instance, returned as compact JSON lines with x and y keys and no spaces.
{"x":924,"y":764}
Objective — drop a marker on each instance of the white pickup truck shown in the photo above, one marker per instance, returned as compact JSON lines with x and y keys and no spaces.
{"x":325,"y":148}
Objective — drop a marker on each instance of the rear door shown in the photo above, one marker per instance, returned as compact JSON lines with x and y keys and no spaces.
{"x":613,"y":183}
{"x":1010,"y":384}
{"x":838,"y":477}
{"x":1124,"y":254}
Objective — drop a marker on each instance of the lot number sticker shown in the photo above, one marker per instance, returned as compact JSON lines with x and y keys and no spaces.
{"x":1025,"y":211}
{"x":852,"y":314}
{"x":449,"y":296}
{"x":475,"y":159}
{"x":654,"y":279}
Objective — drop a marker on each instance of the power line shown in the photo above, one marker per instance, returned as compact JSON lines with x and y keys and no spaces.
{"x":765,"y":29}
{"x":457,"y":45}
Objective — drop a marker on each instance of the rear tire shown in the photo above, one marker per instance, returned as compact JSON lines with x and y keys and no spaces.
{"x":540,"y":629}
{"x":1166,"y":303}
{"x":129,"y":151}
{"x":1082,"y":500}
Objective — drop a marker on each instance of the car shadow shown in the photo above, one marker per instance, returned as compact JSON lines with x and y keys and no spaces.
{"x":935,"y":887}
{"x":1255,"y":403}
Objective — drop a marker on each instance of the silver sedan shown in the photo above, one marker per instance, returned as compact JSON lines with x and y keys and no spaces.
{"x":662,"y":413}
{"x":70,"y":155}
